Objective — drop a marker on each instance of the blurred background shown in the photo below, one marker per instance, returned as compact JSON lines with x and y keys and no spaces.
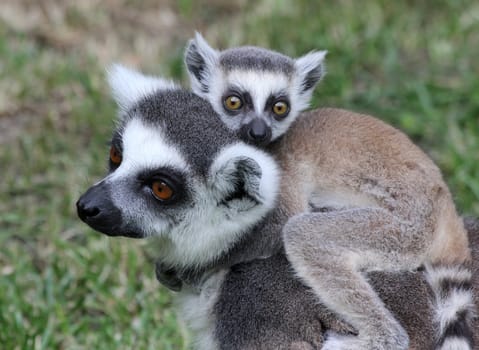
{"x":63,"y":286}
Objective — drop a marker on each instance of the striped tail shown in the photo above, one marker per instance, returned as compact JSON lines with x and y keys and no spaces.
{"x":454,"y":305}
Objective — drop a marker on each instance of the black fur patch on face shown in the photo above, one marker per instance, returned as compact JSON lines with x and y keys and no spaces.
{"x":256,"y":58}
{"x":173,"y":178}
{"x":268,"y":108}
{"x":245,"y":97}
{"x":117,"y":143}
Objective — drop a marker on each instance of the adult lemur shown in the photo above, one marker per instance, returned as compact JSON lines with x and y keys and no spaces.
{"x":380,"y":203}
{"x":179,"y":175}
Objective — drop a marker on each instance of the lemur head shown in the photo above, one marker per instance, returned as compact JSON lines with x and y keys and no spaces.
{"x":177,"y":174}
{"x":257,"y":92}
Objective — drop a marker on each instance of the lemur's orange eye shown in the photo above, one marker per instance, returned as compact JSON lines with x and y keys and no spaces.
{"x":280,"y":108}
{"x":161,"y":190}
{"x":233,"y":103}
{"x":115,"y":155}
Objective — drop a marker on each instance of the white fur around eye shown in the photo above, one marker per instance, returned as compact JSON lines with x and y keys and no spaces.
{"x":209,"y":229}
{"x":129,"y":86}
{"x":260,"y":85}
{"x":144,"y":147}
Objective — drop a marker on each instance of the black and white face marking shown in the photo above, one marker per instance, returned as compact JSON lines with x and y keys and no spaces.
{"x":263,"y":111}
{"x":179,"y":175}
{"x":257,"y":92}
{"x":129,"y":188}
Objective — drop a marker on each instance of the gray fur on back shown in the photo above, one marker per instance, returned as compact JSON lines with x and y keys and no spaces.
{"x":262,"y":305}
{"x":256,"y":58}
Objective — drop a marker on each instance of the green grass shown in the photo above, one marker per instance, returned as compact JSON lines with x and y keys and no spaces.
{"x":63,"y":286}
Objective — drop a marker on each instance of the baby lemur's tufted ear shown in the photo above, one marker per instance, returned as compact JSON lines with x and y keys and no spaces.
{"x":201,"y":60}
{"x":129,"y":86}
{"x":244,"y":178}
{"x":310,"y":69}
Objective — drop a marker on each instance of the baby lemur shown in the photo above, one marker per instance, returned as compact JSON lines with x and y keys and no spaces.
{"x":179,"y":175}
{"x":364,"y":196}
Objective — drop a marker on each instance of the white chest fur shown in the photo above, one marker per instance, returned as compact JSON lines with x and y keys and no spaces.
{"x":196,"y":310}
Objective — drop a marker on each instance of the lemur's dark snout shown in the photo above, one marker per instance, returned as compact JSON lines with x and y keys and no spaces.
{"x":258,"y":132}
{"x":96,"y":209}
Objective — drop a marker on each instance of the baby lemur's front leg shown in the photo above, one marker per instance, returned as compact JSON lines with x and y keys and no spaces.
{"x":330,"y":250}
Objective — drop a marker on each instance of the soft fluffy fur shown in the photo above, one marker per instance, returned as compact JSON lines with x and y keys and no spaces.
{"x":381,"y":202}
{"x":235,"y":232}
{"x":387,"y":208}
{"x":262,"y":305}
{"x":129,"y":86}
{"x":224,"y":186}
{"x":262,"y":74}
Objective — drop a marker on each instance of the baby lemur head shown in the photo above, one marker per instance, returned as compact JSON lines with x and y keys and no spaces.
{"x":257,"y":92}
{"x":178,"y":174}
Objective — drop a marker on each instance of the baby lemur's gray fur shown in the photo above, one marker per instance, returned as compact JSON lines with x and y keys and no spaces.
{"x":179,"y":175}
{"x":382,"y":203}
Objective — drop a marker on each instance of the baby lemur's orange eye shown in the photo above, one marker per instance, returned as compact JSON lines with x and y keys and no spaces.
{"x":280,"y":108}
{"x":161,"y":190}
{"x":115,"y":155}
{"x":233,"y":103}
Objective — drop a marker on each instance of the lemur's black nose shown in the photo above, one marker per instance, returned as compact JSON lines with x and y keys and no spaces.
{"x":96,"y":209}
{"x":258,"y":131}
{"x":85,"y":211}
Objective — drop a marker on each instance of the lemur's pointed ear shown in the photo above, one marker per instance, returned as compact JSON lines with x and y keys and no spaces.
{"x":129,"y":86}
{"x":200,"y":59}
{"x":310,"y":69}
{"x":244,"y":177}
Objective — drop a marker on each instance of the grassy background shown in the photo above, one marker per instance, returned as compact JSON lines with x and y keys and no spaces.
{"x":63,"y":286}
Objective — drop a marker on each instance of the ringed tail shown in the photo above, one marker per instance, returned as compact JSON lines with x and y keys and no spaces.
{"x":453,"y":304}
